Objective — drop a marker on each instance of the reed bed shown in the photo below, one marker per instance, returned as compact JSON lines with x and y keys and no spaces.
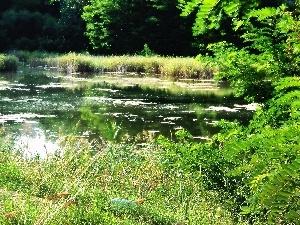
{"x":178,"y":67}
{"x":91,"y":183}
{"x":163,"y":66}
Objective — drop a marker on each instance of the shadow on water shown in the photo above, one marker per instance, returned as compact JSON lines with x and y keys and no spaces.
{"x":164,"y":95}
{"x":38,"y":107}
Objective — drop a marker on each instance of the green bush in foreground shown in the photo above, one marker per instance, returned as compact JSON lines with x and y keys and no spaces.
{"x":8,"y":63}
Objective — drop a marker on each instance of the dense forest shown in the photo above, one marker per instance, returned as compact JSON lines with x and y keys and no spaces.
{"x":101,"y":27}
{"x":104,"y":27}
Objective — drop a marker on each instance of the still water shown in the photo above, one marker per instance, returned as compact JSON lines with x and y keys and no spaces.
{"x":37,"y":108}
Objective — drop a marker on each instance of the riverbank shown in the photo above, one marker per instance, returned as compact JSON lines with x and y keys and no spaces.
{"x":178,"y":67}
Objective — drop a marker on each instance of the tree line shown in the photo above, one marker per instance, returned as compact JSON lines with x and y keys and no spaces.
{"x":100,"y":27}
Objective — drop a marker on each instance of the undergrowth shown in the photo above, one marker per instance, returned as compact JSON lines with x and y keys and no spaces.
{"x":256,"y":168}
{"x":86,"y":183}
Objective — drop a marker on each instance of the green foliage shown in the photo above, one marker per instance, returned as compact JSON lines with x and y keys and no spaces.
{"x":205,"y":9}
{"x":200,"y":161}
{"x":147,"y":51}
{"x":77,"y":186}
{"x":54,"y":26}
{"x":72,"y":26}
{"x":270,"y":53}
{"x":266,"y":156}
{"x":122,"y":27}
{"x":211,"y":13}
{"x":267,"y":163}
{"x":105,"y":27}
{"x":283,"y":108}
{"x":8,"y":63}
{"x":256,"y":168}
{"x":273,"y":37}
{"x":28,"y":30}
{"x":271,"y":43}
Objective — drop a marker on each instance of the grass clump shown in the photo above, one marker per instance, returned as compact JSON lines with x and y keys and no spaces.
{"x":83,"y":181}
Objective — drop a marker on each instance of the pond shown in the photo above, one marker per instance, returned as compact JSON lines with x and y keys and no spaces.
{"x":38,"y":107}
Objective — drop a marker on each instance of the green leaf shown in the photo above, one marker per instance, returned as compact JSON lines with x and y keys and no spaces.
{"x":245,"y":210}
{"x":231,"y":9}
{"x":264,"y":13}
{"x":238,"y":24}
{"x":275,"y":210}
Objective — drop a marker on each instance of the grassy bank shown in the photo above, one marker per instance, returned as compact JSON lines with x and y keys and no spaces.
{"x":8,"y":63}
{"x":83,"y":63}
{"x":84,"y":183}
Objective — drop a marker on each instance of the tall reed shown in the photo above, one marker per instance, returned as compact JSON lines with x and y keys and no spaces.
{"x":164,"y":66}
{"x":178,"y":67}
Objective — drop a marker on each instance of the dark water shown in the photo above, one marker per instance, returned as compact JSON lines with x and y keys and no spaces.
{"x":36,"y":108}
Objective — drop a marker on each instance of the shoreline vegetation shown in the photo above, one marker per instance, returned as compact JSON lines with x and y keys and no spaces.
{"x":93,"y":183}
{"x":8,"y":63}
{"x":176,"y":67}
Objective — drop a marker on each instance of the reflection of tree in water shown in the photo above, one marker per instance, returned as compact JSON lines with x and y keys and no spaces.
{"x":35,"y":78}
{"x":206,"y":117}
{"x":94,"y":115}
{"x":205,"y":120}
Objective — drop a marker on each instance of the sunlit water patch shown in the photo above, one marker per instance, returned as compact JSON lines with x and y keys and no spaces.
{"x":33,"y":141}
{"x":22,"y":117}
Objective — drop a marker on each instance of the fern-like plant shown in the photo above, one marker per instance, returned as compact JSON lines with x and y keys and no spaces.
{"x":267,"y":157}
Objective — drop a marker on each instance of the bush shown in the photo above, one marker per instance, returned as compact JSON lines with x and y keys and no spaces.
{"x":8,"y":63}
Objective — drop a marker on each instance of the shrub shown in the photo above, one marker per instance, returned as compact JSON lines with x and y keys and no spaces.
{"x":8,"y":63}
{"x":264,"y":157}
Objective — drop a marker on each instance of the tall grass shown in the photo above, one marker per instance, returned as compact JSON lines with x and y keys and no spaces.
{"x":90,"y":183}
{"x":163,"y":66}
{"x":179,"y":67}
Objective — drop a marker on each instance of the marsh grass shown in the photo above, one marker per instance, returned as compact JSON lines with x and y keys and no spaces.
{"x":163,"y":66}
{"x":179,"y":67}
{"x":77,"y":184}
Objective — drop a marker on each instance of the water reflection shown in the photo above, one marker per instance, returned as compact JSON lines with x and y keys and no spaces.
{"x":36,"y":107}
{"x":33,"y":141}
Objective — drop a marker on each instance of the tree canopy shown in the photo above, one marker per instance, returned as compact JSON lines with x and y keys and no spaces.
{"x":101,"y":27}
{"x":125,"y":26}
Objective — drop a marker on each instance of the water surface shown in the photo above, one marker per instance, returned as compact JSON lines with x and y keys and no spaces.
{"x":37,"y":108}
